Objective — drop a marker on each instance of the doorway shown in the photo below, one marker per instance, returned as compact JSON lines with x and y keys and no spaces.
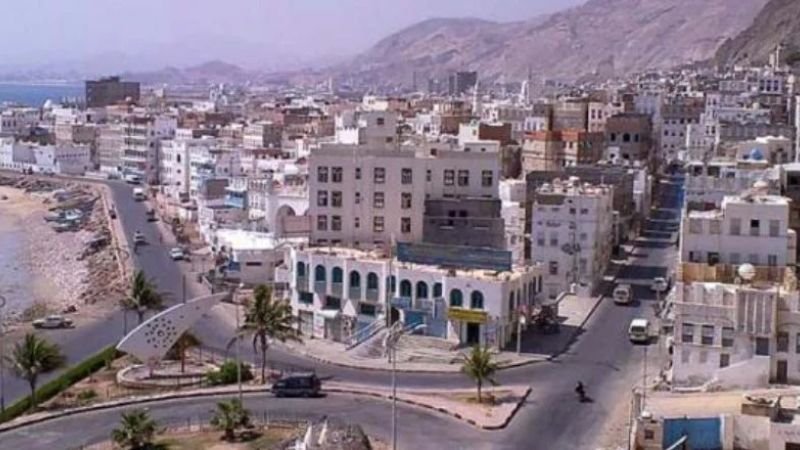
{"x":781,"y":372}
{"x":473,"y":333}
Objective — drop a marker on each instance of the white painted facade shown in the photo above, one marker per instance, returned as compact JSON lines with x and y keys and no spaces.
{"x":336,"y":292}
{"x":141,"y":144}
{"x":571,"y":233}
{"x":366,"y":127}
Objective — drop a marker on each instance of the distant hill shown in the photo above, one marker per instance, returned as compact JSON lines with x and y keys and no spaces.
{"x":778,"y":22}
{"x":613,"y":37}
{"x":207,"y":73}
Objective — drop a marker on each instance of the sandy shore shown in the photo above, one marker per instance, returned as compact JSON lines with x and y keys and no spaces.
{"x":49,"y":270}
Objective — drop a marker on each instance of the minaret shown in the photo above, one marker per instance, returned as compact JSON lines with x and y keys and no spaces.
{"x":476,"y":104}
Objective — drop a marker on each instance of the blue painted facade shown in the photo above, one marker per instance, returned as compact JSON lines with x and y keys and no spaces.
{"x":703,"y":434}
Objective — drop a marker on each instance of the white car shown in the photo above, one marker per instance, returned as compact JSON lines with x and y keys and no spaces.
{"x":659,"y":284}
{"x":54,"y":321}
{"x":623,"y":295}
{"x":176,"y":253}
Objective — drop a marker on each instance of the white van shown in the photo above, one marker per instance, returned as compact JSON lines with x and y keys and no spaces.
{"x":138,"y":194}
{"x":639,"y":331}
{"x":623,"y":295}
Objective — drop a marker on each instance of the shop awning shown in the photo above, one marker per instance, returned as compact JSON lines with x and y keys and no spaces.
{"x":329,"y":313}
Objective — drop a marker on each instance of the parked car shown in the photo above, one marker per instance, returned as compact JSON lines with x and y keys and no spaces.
{"x":639,"y":331}
{"x":112,"y":212}
{"x":54,"y":321}
{"x":297,"y":385}
{"x":138,"y":194}
{"x":151,"y":215}
{"x":659,"y":284}
{"x":623,"y":294}
{"x":133,"y":179}
{"x":138,"y":238}
{"x":176,"y":253}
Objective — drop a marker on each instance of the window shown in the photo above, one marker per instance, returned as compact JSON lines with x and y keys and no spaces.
{"x":554,"y":239}
{"x":322,"y":174}
{"x":380,"y":121}
{"x":357,"y":222}
{"x":405,"y":288}
{"x":727,"y":336}
{"x":372,"y":280}
{"x":754,"y":227}
{"x":379,"y":175}
{"x":736,"y":227}
{"x":695,"y":226}
{"x":322,"y":223}
{"x":649,"y":434}
{"x":378,"y":200}
{"x":437,"y":290}
{"x":337,"y":275}
{"x":797,"y":343}
{"x":762,"y":346}
{"x":377,"y":224}
{"x":332,"y":303}
{"x":319,"y":273}
{"x":724,"y":360}
{"x":367,"y":309}
{"x":406,"y":176}
{"x":428,"y":175}
{"x":707,"y":337}
{"x":774,"y":228}
{"x":463,"y":177}
{"x":358,"y":173}
{"x":476,"y":300}
{"x":306,"y":298}
{"x":358,"y":198}
{"x":405,"y":225}
{"x":772,"y":260}
{"x":336,"y":199}
{"x":782,"y":341}
{"x":322,"y":198}
{"x":687,"y":333}
{"x":336,"y":174}
{"x":456,"y":298}
{"x":540,"y":239}
{"x":715,"y":227}
{"x":422,"y":289}
{"x":487,"y":178}
{"x":336,"y":223}
{"x":355,"y":279}
{"x":449,"y":177}
{"x":405,"y":200}
{"x":553,"y":267}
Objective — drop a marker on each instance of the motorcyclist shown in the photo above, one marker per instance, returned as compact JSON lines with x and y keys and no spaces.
{"x":579,"y":389}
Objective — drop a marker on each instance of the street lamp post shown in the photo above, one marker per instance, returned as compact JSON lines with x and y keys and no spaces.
{"x":2,"y":356}
{"x":395,"y":332}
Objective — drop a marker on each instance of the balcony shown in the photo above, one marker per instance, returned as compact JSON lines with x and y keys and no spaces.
{"x":354,"y":293}
{"x":302,"y":284}
{"x":320,"y":287}
{"x":373,"y":295}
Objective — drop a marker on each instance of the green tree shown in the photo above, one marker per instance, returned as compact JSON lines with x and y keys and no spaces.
{"x":135,"y":431}
{"x":267,"y":319}
{"x":230,"y":416}
{"x":186,"y":341}
{"x":143,"y":296}
{"x":34,"y":356}
{"x":480,"y":367}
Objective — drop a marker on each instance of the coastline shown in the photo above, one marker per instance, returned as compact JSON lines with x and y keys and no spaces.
{"x":47,"y":272}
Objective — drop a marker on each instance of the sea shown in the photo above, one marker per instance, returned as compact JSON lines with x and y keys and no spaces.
{"x":35,"y":94}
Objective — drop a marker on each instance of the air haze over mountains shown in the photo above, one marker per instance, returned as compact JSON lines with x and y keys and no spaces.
{"x":777,"y":23}
{"x":598,"y":37}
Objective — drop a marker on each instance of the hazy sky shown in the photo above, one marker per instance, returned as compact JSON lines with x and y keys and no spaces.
{"x":158,"y":30}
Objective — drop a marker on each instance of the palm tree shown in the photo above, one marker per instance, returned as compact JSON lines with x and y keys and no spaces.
{"x":229,"y":417}
{"x":186,"y":341}
{"x":265,"y":319}
{"x":142,"y":296}
{"x":480,"y":367}
{"x":32,"y":357}
{"x":136,"y":430}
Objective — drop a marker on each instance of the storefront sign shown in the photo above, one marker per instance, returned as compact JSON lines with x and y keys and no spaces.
{"x":467,"y":315}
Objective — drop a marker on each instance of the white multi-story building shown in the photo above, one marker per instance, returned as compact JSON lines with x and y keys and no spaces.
{"x":336,"y":293}
{"x":708,"y":183}
{"x":373,"y":128}
{"x":67,"y":159}
{"x":513,"y":196}
{"x":262,"y":135}
{"x":366,"y":196}
{"x":751,"y":228}
{"x":177,"y":172}
{"x":141,"y":144}
{"x":735,"y":304}
{"x":571,"y":233}
{"x":16,"y":120}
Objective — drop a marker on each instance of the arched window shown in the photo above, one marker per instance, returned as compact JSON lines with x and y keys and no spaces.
{"x":476,"y":300}
{"x":626,"y":137}
{"x":319,"y":273}
{"x":422,"y":289}
{"x":456,"y":298}
{"x":372,"y":280}
{"x":337,"y":275}
{"x":355,"y":279}
{"x":301,"y":269}
{"x":405,"y":288}
{"x":437,"y":290}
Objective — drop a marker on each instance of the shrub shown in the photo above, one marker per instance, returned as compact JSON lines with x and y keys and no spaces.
{"x":86,"y":395}
{"x":226,"y":374}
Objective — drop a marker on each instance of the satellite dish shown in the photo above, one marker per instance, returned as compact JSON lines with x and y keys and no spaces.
{"x":747,"y":272}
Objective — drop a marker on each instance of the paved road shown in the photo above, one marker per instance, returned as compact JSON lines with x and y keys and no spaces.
{"x":602,"y":357}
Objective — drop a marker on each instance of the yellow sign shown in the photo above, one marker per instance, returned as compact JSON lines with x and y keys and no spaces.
{"x":466,"y":315}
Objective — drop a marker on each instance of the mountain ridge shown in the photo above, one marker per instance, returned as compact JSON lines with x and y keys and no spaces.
{"x":778,"y":22}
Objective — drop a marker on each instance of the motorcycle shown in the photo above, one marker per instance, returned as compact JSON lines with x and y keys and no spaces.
{"x":581,"y":391}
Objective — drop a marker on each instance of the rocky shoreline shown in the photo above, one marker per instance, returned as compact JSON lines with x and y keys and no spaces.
{"x":70,"y":271}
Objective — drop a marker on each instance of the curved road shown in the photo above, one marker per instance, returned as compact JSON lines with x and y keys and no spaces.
{"x":601,"y":357}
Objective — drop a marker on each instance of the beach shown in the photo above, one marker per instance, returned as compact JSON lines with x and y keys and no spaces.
{"x":43,"y":271}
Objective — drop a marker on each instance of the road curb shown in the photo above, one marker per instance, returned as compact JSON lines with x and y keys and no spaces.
{"x":25,"y":422}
